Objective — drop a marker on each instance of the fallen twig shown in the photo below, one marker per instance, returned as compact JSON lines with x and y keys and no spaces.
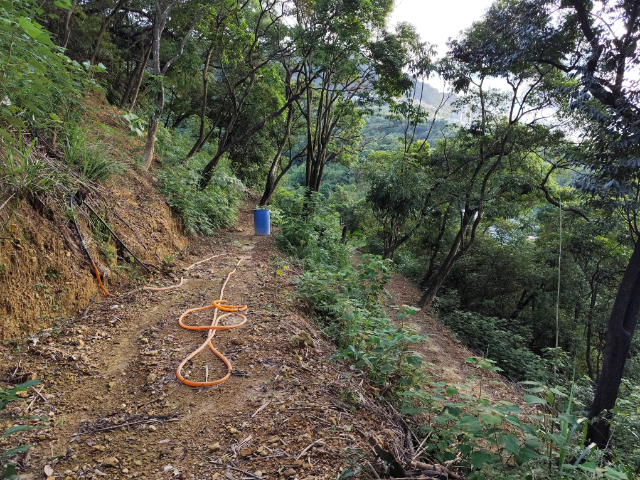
{"x":6,"y":201}
{"x":130,"y":228}
{"x":308,"y":447}
{"x":243,"y":471}
{"x":260,"y":409}
{"x":33,"y":401}
{"x":118,"y":239}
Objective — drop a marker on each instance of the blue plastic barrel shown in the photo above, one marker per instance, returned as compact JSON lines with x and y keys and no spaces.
{"x":262,"y":221}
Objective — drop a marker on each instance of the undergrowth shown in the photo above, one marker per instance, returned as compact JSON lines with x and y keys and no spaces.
{"x":459,"y":424}
{"x":202,"y":211}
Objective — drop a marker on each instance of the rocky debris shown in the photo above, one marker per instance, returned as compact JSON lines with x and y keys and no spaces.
{"x":302,"y":340}
{"x":110,"y":462}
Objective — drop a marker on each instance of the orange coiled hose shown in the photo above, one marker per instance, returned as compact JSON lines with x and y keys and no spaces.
{"x":218,"y":305}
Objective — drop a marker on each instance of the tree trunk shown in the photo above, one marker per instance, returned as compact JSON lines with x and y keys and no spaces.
{"x":622,"y":324}
{"x":143,"y":64}
{"x":203,"y":111}
{"x":590,"y":332}
{"x":67,"y":21}
{"x":434,"y":253}
{"x":147,"y":155}
{"x":207,"y":173}
{"x":103,"y":28}
{"x":199,"y":144}
{"x":437,"y":279}
{"x":458,"y":248}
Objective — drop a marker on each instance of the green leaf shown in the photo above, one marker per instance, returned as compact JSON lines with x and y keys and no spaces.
{"x":524,"y":455}
{"x":34,"y":32}
{"x":64,"y":4}
{"x":412,"y":411}
{"x":510,"y":443}
{"x":479,"y":458}
{"x":10,"y":472}
{"x":14,"y":451}
{"x":532,"y":400}
{"x":451,"y":391}
{"x":18,"y":428}
{"x":465,"y":449}
{"x":491,"y":419}
{"x":414,"y":361}
{"x":611,"y":473}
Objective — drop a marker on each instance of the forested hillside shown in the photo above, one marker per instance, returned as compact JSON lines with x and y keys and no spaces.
{"x":513,"y":209}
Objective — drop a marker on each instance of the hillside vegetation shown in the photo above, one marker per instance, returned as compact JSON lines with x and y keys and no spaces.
{"x":132,"y":129}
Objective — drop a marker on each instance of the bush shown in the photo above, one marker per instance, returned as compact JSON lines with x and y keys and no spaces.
{"x":202,"y":211}
{"x":310,"y":231}
{"x":492,"y":336}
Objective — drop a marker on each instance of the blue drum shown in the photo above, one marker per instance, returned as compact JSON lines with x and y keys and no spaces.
{"x":262,"y":221}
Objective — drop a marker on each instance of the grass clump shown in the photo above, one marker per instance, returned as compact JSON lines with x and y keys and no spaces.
{"x":94,"y":161}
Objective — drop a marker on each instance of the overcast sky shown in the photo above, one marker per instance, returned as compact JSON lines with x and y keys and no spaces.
{"x":439,"y":20}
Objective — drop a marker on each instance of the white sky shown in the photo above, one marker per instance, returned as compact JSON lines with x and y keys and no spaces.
{"x":439,"y":20}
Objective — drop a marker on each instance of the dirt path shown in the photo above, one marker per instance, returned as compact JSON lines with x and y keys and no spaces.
{"x":116,"y":409}
{"x":444,"y":355}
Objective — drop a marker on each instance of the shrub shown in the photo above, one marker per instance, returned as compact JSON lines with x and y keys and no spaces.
{"x":493,"y":337}
{"x":202,"y":211}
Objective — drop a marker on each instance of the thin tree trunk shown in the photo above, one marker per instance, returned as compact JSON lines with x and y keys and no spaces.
{"x":270,"y":184}
{"x":67,"y":22}
{"x":590,"y":332}
{"x":622,"y":324}
{"x":143,"y":65}
{"x":458,"y":248}
{"x":436,"y":250}
{"x":153,"y":129}
{"x":103,"y":28}
{"x":437,"y":279}
{"x":199,"y":144}
{"x":203,"y":110}
{"x":144,"y":54}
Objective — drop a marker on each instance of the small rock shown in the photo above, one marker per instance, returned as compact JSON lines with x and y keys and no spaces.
{"x":151,"y":352}
{"x":99,"y":448}
{"x":290,"y":473}
{"x":112,"y":384}
{"x":48,"y":471}
{"x":233,"y":431}
{"x":153,"y":428}
{"x":145,"y":340}
{"x":245,"y":452}
{"x":125,"y":470}
{"x":215,"y":476}
{"x":111,"y":462}
{"x":258,"y":473}
{"x":22,"y":394}
{"x":333,"y":420}
{"x":213,"y":447}
{"x":273,"y":439}
{"x":138,"y":462}
{"x":151,"y":378}
{"x":283,"y":409}
{"x":80,"y":343}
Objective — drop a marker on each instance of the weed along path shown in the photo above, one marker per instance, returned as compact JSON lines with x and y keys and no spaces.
{"x":114,"y":407}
